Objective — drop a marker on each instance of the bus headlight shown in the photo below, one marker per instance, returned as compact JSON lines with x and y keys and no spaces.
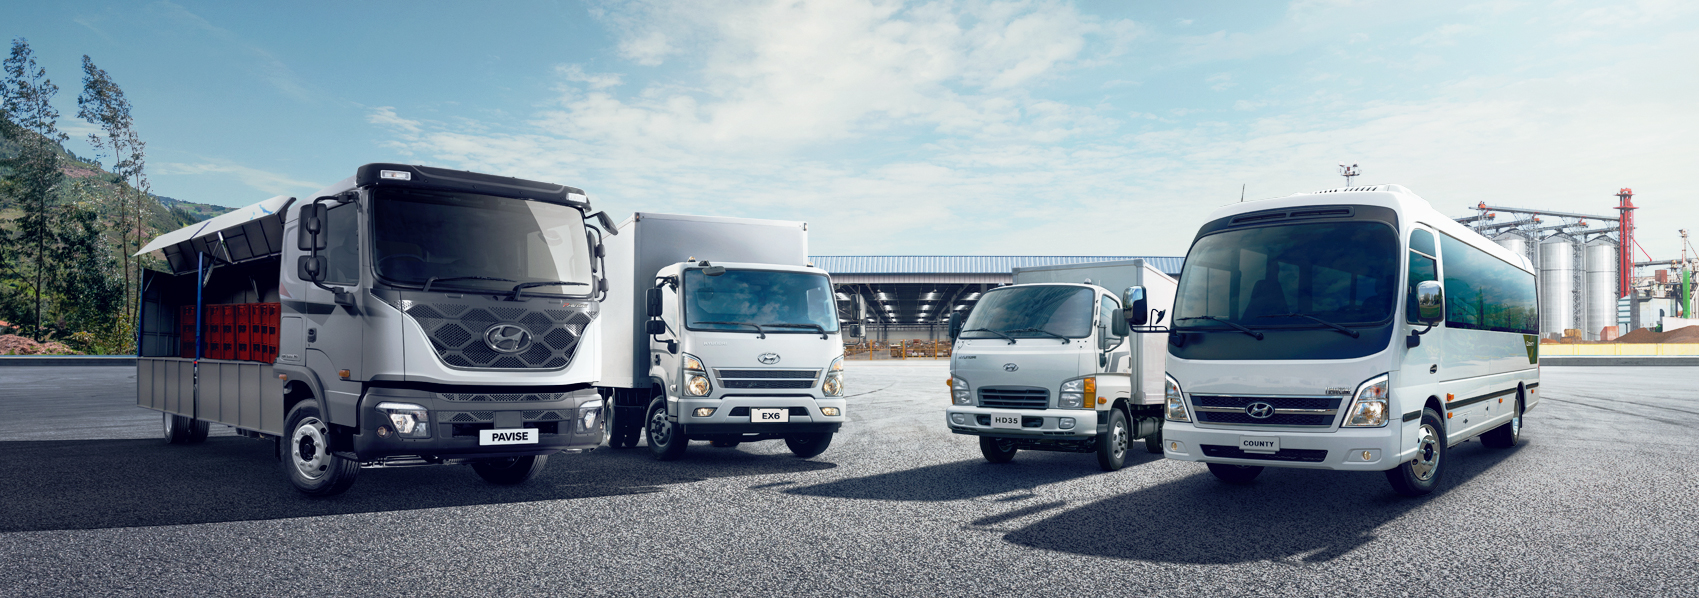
{"x":834,"y":385}
{"x":960,"y":392}
{"x":1369,"y":407}
{"x":409,"y":420}
{"x":1175,"y":401}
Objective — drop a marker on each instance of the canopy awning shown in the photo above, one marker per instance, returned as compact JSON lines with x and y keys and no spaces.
{"x":247,"y":233}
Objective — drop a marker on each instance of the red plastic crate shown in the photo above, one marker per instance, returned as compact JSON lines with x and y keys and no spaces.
{"x":243,"y":335}
{"x":267,"y":318}
{"x":223,"y":316}
{"x":186,"y":332}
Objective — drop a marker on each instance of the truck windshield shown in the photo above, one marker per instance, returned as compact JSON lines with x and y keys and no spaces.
{"x":467,"y":241}
{"x":1043,"y":311}
{"x":783,"y":302}
{"x":1287,"y":277}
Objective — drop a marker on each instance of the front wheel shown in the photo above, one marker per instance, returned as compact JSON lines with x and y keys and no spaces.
{"x":1422,"y":474}
{"x":1112,"y":447}
{"x":1235,"y":474}
{"x":310,"y":465}
{"x":511,"y":470}
{"x":808,"y":445}
{"x":997,"y":450}
{"x":665,"y":441}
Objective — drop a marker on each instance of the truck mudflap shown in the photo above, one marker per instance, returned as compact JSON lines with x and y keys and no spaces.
{"x":460,"y":430}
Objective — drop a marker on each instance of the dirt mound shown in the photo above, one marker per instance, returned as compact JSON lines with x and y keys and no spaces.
{"x":1689,"y":334}
{"x":1641,"y":335}
{"x":12,"y":344}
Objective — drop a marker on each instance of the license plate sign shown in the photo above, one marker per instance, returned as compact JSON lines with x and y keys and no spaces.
{"x":1006,"y":420}
{"x":770,"y":416}
{"x":1259,"y":444}
{"x":509,"y":436}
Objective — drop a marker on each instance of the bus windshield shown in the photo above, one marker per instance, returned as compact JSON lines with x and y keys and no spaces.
{"x":1289,"y":276}
{"x":1032,"y":311}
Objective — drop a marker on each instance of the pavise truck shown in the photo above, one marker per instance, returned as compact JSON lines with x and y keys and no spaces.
{"x":1047,"y":364}
{"x":719,"y":330}
{"x":1351,"y":329}
{"x":424,"y":316}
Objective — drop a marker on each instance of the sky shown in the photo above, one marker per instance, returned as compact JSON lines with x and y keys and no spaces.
{"x":933,"y":127}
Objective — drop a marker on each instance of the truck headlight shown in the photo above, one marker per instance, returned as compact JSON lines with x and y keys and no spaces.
{"x":960,"y":392}
{"x":1080,"y":393}
{"x":1175,"y":401}
{"x":589,"y":415}
{"x":834,"y":385}
{"x":1369,"y":407}
{"x":695,"y":376}
{"x":409,"y":420}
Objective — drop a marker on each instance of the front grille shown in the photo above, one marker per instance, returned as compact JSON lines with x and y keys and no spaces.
{"x":803,"y":374}
{"x":465,"y":417}
{"x":1014,"y":398}
{"x":1233,"y":452}
{"x":767,"y":379}
{"x":456,"y":332}
{"x":1230,"y":410}
{"x":767,"y":384}
{"x":502,"y":398}
{"x":462,"y":430}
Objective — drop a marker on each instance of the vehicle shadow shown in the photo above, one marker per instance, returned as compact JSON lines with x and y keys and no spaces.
{"x":92,"y":484}
{"x":1307,"y":515}
{"x":968,"y":479}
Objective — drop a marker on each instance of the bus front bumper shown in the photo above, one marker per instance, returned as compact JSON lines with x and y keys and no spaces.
{"x":1348,"y":449}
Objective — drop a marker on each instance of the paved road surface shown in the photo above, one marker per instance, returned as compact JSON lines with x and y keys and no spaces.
{"x":1602,"y":498}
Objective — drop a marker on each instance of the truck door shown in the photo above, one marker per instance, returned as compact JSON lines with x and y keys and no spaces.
{"x":1114,"y":348}
{"x":335,"y":334}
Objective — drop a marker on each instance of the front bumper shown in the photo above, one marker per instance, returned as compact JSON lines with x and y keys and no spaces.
{"x":731,"y":414}
{"x":455,"y":424}
{"x":1338,"y":449}
{"x":1036,"y":423}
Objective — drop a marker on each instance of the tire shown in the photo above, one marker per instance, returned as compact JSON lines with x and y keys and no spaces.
{"x":622,"y":433}
{"x":725,"y":443}
{"x":665,"y":441}
{"x":1509,"y":433}
{"x":1153,"y":443}
{"x":1112,"y":447}
{"x":1238,"y":475}
{"x":511,"y":470}
{"x":184,"y":430}
{"x":997,"y":450}
{"x":1422,"y":474}
{"x":808,"y":445}
{"x":310,"y":466}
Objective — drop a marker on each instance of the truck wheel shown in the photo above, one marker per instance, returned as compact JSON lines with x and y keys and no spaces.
{"x":1508,"y":434}
{"x":311,"y":467}
{"x":1153,"y":443}
{"x":997,"y":450}
{"x":1112,"y":447}
{"x":1235,"y":474}
{"x":665,"y":441}
{"x":184,"y":430}
{"x":621,"y":433}
{"x":1422,"y":474}
{"x":808,"y":445}
{"x":511,"y":470}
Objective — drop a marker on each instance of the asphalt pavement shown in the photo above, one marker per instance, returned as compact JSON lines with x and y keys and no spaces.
{"x":1601,"y":498}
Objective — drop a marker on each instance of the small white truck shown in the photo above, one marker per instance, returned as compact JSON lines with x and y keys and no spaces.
{"x":1049,"y":363}
{"x":719,"y":331}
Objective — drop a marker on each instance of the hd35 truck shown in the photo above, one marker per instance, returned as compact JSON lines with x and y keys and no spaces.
{"x":406,"y":315}
{"x":1048,"y":364}
{"x":719,"y":330}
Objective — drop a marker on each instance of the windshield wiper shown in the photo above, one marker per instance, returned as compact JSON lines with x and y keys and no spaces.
{"x":1064,"y":339}
{"x":1011,"y":339}
{"x":758,"y":329}
{"x":1253,"y":333}
{"x":433,"y":279}
{"x":818,"y":327}
{"x":520,"y":288}
{"x":1348,"y":331}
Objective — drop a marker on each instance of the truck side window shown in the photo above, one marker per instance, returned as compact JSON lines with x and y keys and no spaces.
{"x":1422,"y":268}
{"x":1106,"y":315}
{"x":342,"y":249}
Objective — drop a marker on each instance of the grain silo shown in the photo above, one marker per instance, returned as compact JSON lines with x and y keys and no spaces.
{"x":1557,"y":284}
{"x":1601,"y":291}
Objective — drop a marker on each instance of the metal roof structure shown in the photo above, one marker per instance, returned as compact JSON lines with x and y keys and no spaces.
{"x":969,"y":264}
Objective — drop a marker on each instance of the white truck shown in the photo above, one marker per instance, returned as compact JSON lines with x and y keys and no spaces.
{"x":1047,"y":364}
{"x":406,"y":315}
{"x":719,"y":331}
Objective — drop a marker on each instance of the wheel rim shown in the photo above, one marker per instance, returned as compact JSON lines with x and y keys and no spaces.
{"x":1516,"y":422}
{"x":660,"y":430}
{"x":169,"y":427}
{"x":1118,"y":440}
{"x":1005,"y":446}
{"x":309,"y":454}
{"x":1427,"y":453}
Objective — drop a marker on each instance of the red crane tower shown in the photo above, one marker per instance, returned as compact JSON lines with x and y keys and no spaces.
{"x":1625,"y":242}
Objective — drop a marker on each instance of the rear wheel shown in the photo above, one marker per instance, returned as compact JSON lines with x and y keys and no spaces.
{"x":1235,"y":474}
{"x":1508,"y":434}
{"x":184,"y":430}
{"x":808,"y":445}
{"x":1112,"y":447}
{"x":511,"y":470}
{"x":665,"y":441}
{"x":997,"y":450}
{"x":1422,"y":474}
{"x":310,"y":465}
{"x":623,"y":428}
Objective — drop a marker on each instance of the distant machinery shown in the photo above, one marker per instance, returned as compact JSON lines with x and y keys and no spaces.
{"x":1584,"y":270}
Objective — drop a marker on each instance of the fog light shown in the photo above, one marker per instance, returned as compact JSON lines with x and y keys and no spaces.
{"x":383,"y":432}
{"x":1066,"y":423}
{"x":410,"y":420}
{"x":959,"y":419}
{"x":704,"y":412}
{"x":1368,"y":456}
{"x":829,"y":411}
{"x":589,"y":416}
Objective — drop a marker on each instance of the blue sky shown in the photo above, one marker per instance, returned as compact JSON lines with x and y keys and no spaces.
{"x":947,"y":127}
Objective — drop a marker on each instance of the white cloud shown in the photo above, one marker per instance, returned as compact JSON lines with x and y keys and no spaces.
{"x":1446,"y":35}
{"x":269,"y":182}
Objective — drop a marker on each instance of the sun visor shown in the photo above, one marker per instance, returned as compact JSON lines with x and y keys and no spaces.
{"x":248,"y":233}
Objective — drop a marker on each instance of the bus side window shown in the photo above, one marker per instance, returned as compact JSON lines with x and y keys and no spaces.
{"x":1422,"y":268}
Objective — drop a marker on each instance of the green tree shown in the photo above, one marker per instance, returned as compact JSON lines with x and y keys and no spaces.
{"x":36,"y":169}
{"x":103,"y":103}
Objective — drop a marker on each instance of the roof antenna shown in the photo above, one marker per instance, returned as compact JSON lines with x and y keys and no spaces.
{"x":1242,"y":192}
{"x":1349,"y":172}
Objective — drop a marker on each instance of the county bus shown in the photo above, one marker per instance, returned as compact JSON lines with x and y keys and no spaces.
{"x":1351,"y":329}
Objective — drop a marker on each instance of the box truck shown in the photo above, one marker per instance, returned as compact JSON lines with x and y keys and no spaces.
{"x":1049,"y":364}
{"x":407,"y":315}
{"x":719,"y":330}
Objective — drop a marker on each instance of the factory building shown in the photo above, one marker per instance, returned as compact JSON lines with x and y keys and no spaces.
{"x":900,"y":297}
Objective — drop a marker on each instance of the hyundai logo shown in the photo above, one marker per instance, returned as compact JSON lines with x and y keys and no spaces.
{"x":507,"y":338}
{"x":1009,"y":367}
{"x":1259,"y":410}
{"x":769,"y":358}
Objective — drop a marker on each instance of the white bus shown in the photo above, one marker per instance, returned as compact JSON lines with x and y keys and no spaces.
{"x":1348,"y":329}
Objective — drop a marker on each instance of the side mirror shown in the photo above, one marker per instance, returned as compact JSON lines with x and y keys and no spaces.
{"x":955,"y":324}
{"x":1118,"y":323}
{"x":654,"y":327}
{"x":310,"y":268}
{"x":1430,"y":302}
{"x":1137,"y":312}
{"x":312,"y":234}
{"x":607,"y":223}
{"x":714,"y":270}
{"x":653,"y":299}
{"x":857,"y":331}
